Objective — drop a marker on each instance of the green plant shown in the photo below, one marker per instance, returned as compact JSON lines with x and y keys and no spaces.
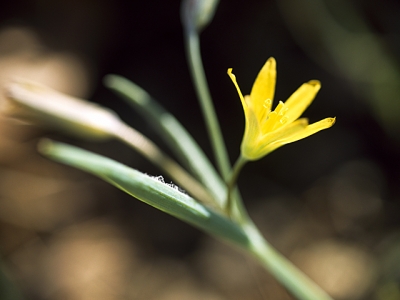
{"x":215,"y":204}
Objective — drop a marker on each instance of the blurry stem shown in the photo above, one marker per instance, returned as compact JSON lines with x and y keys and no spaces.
{"x":296,"y":282}
{"x":232,"y":202}
{"x":237,"y":210}
{"x":203,"y":93}
{"x":149,"y":150}
{"x":301,"y":286}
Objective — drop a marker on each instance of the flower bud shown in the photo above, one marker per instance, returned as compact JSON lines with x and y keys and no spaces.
{"x":196,"y":14}
{"x":33,"y":102}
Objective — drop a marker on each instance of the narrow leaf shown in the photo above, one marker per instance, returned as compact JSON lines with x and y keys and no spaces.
{"x":173,"y":133}
{"x":147,"y":189}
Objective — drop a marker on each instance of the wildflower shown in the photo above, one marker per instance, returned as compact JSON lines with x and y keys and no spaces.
{"x":267,"y":130}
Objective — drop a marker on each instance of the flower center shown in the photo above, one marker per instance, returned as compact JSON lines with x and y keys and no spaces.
{"x":272,"y":120}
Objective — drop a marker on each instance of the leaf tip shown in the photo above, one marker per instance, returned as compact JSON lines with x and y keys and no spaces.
{"x":45,"y":146}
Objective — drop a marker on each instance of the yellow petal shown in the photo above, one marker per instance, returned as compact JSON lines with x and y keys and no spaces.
{"x":309,"y":130}
{"x":252,"y":132}
{"x":285,"y":132}
{"x":252,"y":125}
{"x":233,"y":78}
{"x":254,"y":151}
{"x":301,"y":99}
{"x":264,"y":85}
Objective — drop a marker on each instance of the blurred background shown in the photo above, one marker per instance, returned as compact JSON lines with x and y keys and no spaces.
{"x":330,"y":203}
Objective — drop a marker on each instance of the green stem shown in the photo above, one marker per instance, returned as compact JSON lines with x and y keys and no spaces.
{"x":207,"y":107}
{"x":295,"y":281}
{"x":235,"y":202}
{"x":280,"y":267}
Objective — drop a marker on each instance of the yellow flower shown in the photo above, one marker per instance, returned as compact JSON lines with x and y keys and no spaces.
{"x":267,"y":130}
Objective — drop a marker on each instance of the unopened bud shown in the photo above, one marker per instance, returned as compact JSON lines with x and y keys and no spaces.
{"x":33,"y":102}
{"x":196,"y":14}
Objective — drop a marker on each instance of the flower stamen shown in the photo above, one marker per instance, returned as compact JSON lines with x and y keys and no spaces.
{"x":267,"y":104}
{"x":269,"y":122}
{"x":280,"y":109}
{"x":283,"y":120}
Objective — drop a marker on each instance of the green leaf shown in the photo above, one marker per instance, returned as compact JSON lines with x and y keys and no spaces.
{"x":147,"y":189}
{"x":173,"y":133}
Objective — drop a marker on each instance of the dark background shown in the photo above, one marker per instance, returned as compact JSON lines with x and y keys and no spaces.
{"x":330,"y":203}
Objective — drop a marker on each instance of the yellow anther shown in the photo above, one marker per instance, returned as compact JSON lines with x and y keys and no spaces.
{"x":267,"y":103}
